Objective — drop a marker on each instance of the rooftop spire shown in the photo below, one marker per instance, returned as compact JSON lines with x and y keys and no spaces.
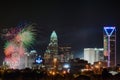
{"x":54,"y":35}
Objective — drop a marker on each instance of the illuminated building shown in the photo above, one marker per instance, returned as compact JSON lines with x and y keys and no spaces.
{"x":93,"y":54}
{"x":55,"y":56}
{"x":52,"y":49}
{"x":53,"y":45}
{"x":30,"y":58}
{"x":110,"y":46}
{"x":65,"y":53}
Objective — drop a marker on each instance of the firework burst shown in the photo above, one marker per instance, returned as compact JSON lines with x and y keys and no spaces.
{"x":27,"y":36}
{"x":19,"y":41}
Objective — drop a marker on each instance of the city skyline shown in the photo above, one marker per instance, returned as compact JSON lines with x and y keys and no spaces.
{"x":79,"y":24}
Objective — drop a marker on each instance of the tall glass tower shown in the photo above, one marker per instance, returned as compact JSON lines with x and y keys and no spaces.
{"x":51,"y":54}
{"x":53,"y":45}
{"x":110,"y":46}
{"x":52,"y":48}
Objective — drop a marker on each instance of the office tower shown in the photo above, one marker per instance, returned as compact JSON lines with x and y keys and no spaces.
{"x":53,"y":45}
{"x":109,"y":37}
{"x":52,"y":49}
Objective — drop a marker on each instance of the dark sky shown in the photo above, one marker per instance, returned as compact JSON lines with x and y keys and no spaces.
{"x":77,"y":23}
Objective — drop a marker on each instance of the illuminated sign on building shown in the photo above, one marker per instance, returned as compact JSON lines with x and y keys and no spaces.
{"x":38,"y":60}
{"x":109,"y":30}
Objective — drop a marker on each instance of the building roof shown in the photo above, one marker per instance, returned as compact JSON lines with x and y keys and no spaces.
{"x":54,"y":34}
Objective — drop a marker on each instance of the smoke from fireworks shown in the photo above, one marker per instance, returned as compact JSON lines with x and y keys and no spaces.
{"x":15,"y":47}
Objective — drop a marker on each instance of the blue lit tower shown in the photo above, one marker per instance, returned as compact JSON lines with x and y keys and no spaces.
{"x":110,"y":46}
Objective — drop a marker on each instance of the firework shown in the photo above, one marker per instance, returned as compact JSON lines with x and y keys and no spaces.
{"x":11,"y":33}
{"x":9,"y":48}
{"x":19,"y":41}
{"x":26,"y":36}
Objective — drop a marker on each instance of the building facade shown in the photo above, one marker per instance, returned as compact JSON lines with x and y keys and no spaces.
{"x":93,"y":55}
{"x":65,"y":53}
{"x":30,"y":59}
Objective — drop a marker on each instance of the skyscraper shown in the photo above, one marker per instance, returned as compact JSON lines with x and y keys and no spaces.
{"x":52,"y":49}
{"x":53,"y":45}
{"x":110,"y":46}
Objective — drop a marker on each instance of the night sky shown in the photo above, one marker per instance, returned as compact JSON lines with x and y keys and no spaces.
{"x":77,"y":23}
